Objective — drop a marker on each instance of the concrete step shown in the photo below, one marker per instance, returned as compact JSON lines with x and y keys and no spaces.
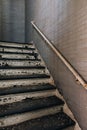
{"x":29,"y":104}
{"x":58,"y":121}
{"x":21,"y":59}
{"x":9,"y":72}
{"x":25,"y":82}
{"x":28,"y":88}
{"x":17,"y":56}
{"x":19,"y":63}
{"x":16,"y":50}
{"x":20,"y":118}
{"x":31,"y":76}
{"x":18,"y":97}
{"x":3,"y":48}
{"x":28,"y":109}
{"x":19,"y":53}
{"x":25,"y":45}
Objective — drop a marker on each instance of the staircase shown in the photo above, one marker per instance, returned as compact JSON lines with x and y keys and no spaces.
{"x":28,"y":98}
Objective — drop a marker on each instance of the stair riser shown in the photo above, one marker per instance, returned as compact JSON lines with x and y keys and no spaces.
{"x":19,"y":97}
{"x":22,"y":72}
{"x":16,"y":119}
{"x":26,"y":82}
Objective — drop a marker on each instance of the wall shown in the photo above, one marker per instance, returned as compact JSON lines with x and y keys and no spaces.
{"x":12,"y":20}
{"x":0,"y":20}
{"x":65,"y":23}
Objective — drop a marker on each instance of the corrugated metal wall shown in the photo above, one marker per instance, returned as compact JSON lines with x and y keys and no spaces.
{"x":12,"y":20}
{"x":65,"y":23}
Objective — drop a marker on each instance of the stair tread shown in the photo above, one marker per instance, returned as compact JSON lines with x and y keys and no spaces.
{"x":20,"y":63}
{"x":14,"y":47}
{"x":18,"y":72}
{"x":28,"y":88}
{"x":17,"y":56}
{"x":59,"y":121}
{"x":34,"y":81}
{"x":19,"y":53}
{"x":29,"y":104}
{"x":14,"y":43}
{"x":14,"y":77}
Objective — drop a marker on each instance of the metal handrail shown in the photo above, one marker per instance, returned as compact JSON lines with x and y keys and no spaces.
{"x":79,"y":79}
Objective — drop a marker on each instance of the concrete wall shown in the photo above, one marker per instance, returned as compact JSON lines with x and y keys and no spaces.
{"x":12,"y":20}
{"x":0,"y":20}
{"x":65,"y":23}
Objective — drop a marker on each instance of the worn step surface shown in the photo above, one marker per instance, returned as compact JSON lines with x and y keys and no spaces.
{"x":28,"y":109}
{"x":17,"y":56}
{"x":19,"y":53}
{"x":12,"y":83}
{"x":21,"y":59}
{"x":17,"y":97}
{"x":15,"y":77}
{"x":29,"y":104}
{"x":6,"y":66}
{"x":25,"y":45}
{"x":9,"y":72}
{"x":19,"y":63}
{"x":2,"y":47}
{"x":58,"y":121}
{"x":22,"y":117}
{"x":28,"y":88}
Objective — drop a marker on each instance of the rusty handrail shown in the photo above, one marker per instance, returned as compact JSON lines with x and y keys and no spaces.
{"x":79,"y":79}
